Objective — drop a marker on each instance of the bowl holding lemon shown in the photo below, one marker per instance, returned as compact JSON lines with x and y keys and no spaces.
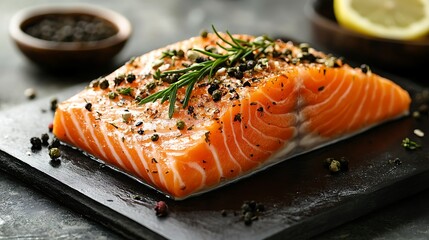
{"x":392,"y":34}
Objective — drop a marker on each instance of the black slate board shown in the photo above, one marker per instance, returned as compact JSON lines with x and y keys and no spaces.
{"x":300,"y":196}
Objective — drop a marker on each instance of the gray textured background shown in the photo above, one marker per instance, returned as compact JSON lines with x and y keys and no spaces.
{"x":28,"y":214}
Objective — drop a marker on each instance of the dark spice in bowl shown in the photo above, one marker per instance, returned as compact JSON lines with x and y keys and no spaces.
{"x":71,"y":28}
{"x":69,"y":36}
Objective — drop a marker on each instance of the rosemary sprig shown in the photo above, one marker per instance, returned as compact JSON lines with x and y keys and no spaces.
{"x":236,"y":49}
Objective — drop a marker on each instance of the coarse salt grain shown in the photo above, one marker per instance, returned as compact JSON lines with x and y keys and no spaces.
{"x":30,"y":93}
{"x":419,"y":133}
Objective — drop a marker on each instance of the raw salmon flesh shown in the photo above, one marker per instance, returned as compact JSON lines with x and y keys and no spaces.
{"x":250,"y":113}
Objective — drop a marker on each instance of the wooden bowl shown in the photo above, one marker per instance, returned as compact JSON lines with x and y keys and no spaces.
{"x":75,"y":54}
{"x":390,"y":54}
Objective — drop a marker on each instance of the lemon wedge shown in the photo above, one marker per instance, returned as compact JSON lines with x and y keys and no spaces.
{"x":396,"y":19}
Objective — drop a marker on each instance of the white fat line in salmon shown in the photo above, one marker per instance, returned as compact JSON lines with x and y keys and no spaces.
{"x":128,"y":156}
{"x":234,"y":142}
{"x":78,"y":129}
{"x":94,"y":138}
{"x":363,"y":100}
{"x":160,"y":174}
{"x":197,"y":167}
{"x":66,"y":129}
{"x":225,"y":145}
{"x":144,"y":161}
{"x":112,"y":150}
{"x":217,"y":161}
{"x":245,"y":127}
{"x":177,"y":177}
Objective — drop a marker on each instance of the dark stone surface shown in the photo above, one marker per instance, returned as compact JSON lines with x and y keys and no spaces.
{"x":406,"y":219}
{"x":299,"y":209}
{"x":27,"y":214}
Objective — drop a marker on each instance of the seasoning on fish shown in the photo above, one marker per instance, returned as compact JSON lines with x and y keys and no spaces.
{"x":298,"y":99}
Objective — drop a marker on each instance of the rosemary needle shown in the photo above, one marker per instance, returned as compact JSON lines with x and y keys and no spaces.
{"x":235,"y":49}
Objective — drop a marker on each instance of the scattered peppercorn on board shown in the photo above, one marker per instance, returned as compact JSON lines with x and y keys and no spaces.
{"x":300,"y":197}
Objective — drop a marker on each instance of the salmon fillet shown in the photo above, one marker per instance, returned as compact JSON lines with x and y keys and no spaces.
{"x":280,"y":101}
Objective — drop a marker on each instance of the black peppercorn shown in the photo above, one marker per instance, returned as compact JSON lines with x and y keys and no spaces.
{"x":190,"y":110}
{"x":88,"y":106}
{"x":287,"y":52}
{"x":54,"y":104}
{"x":150,"y":86}
{"x":104,"y":84}
{"x":166,"y":78}
{"x":118,"y":80}
{"x":250,"y":56}
{"x":154,"y":137}
{"x":131,"y":77}
{"x":55,"y":162}
{"x":344,"y":164}
{"x":217,"y":95}
{"x":170,"y":78}
{"x":245,"y":207}
{"x":252,"y":205}
{"x":94,"y":83}
{"x":276,"y":54}
{"x":365,"y":68}
{"x":55,"y":143}
{"x":36,"y":143}
{"x":250,"y":210}
{"x":180,"y":53}
{"x":200,"y":59}
{"x":338,"y":62}
{"x":70,"y":28}
{"x":174,"y":77}
{"x":242,"y":67}
{"x":239,"y":74}
{"x":45,"y":139}
{"x":248,"y":218}
{"x":308,"y":57}
{"x":231,"y":72}
{"x":246,"y":84}
{"x":212,"y":88}
{"x":327,"y":162}
{"x":204,"y":33}
{"x":260,"y":207}
{"x":251,"y":64}
{"x":237,"y":117}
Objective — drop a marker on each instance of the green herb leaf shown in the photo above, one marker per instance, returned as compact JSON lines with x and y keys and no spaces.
{"x":168,"y":53}
{"x":235,"y":48}
{"x":157,"y":74}
{"x":125,"y":91}
{"x":172,"y":98}
{"x":411,"y":145}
